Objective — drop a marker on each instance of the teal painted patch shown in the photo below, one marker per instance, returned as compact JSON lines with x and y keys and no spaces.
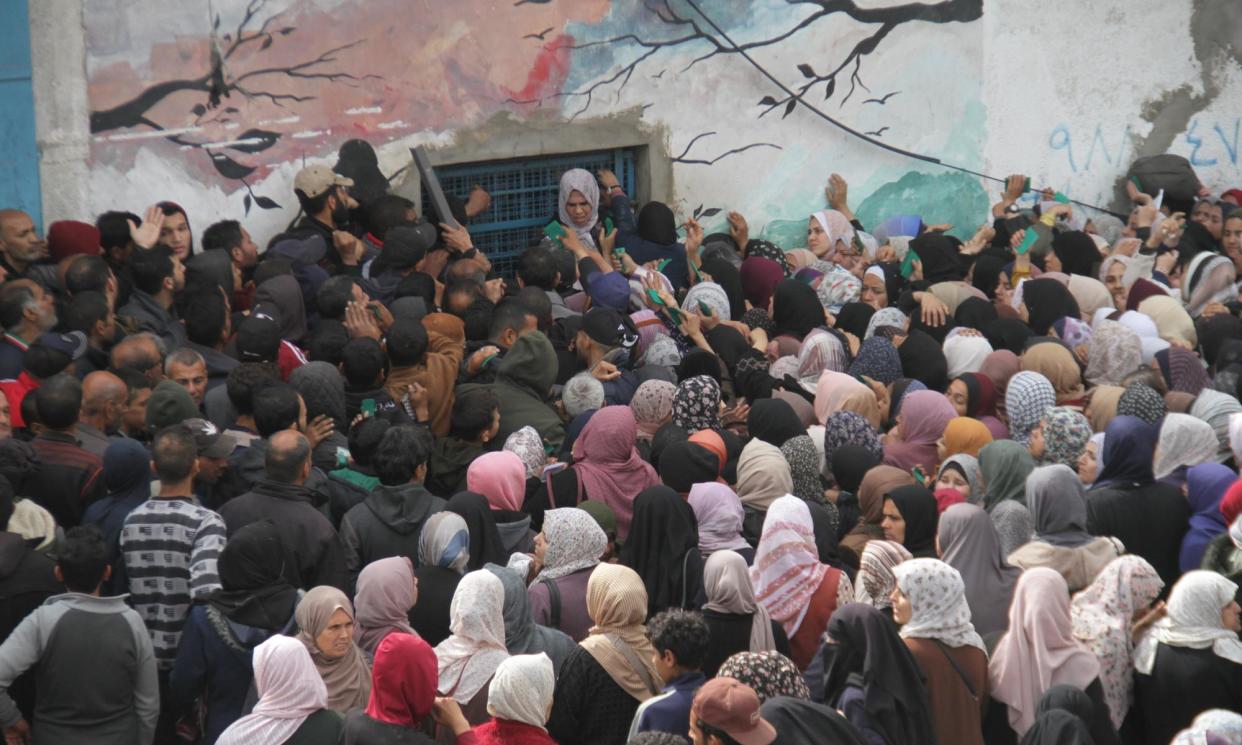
{"x":954,"y":198}
{"x":788,"y":234}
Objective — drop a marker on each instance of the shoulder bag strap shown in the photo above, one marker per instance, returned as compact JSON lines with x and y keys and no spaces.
{"x":632,"y":658}
{"x":554,"y":602}
{"x":961,"y":673}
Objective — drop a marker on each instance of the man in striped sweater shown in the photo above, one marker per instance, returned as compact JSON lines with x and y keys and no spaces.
{"x":170,"y":545}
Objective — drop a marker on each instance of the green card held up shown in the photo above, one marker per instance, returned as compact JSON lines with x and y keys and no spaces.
{"x":1028,"y":241}
{"x":1059,"y":197}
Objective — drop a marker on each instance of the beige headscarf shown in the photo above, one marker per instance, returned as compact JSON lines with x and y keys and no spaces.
{"x":617,"y":603}
{"x":726,"y":580}
{"x":1091,"y":294}
{"x":763,"y":475}
{"x":348,"y":678}
{"x":1172,"y":320}
{"x":841,"y":392}
{"x":1103,"y":405}
{"x":1057,"y":364}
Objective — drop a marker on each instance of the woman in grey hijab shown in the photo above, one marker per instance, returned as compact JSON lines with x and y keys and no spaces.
{"x":968,"y":542}
{"x":1059,"y":509}
{"x":522,"y":634}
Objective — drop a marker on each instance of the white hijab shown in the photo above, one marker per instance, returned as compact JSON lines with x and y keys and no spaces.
{"x":937,"y":598}
{"x":1193,"y":620}
{"x":289,"y":689}
{"x":521,"y":690}
{"x":476,"y":647}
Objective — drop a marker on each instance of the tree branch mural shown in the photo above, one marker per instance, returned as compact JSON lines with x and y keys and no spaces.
{"x":221,"y":80}
{"x":688,"y":33}
{"x":682,"y":158}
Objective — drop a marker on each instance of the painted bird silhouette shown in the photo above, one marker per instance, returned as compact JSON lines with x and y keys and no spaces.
{"x":878,"y":133}
{"x":883,"y":100}
{"x":539,"y":35}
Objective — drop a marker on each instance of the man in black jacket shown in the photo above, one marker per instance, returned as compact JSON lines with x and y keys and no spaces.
{"x":312,"y":548}
{"x":390,"y":520}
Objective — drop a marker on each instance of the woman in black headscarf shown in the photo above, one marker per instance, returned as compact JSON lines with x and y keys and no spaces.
{"x":874,"y":679}
{"x":974,"y":313}
{"x":799,"y":722}
{"x":1044,"y":301}
{"x":774,"y":421}
{"x":910,"y":518}
{"x":486,"y":546}
{"x":796,"y":309}
{"x":663,"y":548}
{"x":1073,"y":252}
{"x":985,"y":275}
{"x":937,"y":253}
{"x":849,"y":465}
{"x":923,"y":359}
{"x":254,"y":603}
{"x":1009,"y":333}
{"x":1062,"y":699}
{"x":853,"y":319}
{"x":652,"y":238}
{"x":699,"y":361}
{"x":725,"y":274}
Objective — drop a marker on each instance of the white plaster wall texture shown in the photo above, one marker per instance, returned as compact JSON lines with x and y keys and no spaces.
{"x":1055,"y":90}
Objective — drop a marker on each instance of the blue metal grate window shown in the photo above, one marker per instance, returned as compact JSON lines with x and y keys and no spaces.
{"x":524,"y":196}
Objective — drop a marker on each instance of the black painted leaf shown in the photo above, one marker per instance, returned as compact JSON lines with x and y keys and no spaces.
{"x":198,"y":109}
{"x":789,"y":108}
{"x":767,"y":101}
{"x":216,"y":25}
{"x":832,"y":87}
{"x":266,"y":203}
{"x":265,"y":140}
{"x":698,"y":211}
{"x":266,"y":43}
{"x":287,"y":30}
{"x":230,"y":110}
{"x":230,"y":168}
{"x":246,"y":201}
{"x":806,"y":70}
{"x":710,"y":212}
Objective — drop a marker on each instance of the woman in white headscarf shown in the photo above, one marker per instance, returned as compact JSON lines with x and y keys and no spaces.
{"x":469,"y":657}
{"x":1103,"y":618}
{"x":578,"y":204}
{"x":519,"y":700}
{"x":1191,"y":660}
{"x":293,"y":699}
{"x":929,"y":603}
{"x":738,"y":623}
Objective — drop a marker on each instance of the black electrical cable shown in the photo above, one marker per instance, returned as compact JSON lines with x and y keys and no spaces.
{"x":853,"y":132}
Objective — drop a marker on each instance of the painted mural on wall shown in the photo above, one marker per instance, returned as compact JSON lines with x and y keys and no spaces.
{"x":217,"y":105}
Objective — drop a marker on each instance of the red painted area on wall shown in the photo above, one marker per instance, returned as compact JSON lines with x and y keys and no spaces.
{"x":549,"y":71}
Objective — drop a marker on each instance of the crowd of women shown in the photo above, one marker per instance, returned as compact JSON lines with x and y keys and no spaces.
{"x":902,"y":488}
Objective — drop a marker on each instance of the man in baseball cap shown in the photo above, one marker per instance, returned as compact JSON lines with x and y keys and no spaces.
{"x":214,"y":448}
{"x":725,"y":712}
{"x":323,"y":196}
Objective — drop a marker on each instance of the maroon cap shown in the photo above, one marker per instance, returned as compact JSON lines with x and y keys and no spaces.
{"x":67,"y":238}
{"x":733,"y":708}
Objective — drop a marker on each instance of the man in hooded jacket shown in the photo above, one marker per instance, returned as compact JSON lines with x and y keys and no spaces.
{"x":390,"y":520}
{"x":523,"y":383}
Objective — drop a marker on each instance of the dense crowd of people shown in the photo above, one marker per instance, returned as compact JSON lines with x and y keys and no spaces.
{"x":890,"y":488}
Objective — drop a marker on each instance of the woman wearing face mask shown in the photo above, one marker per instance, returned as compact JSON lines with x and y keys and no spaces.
{"x":929,"y":603}
{"x":1192,"y":659}
{"x":326,"y":619}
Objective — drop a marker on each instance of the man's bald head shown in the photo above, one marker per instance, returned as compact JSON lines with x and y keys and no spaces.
{"x":140,"y":352}
{"x":288,"y":457}
{"x":102,"y":388}
{"x":19,"y":240}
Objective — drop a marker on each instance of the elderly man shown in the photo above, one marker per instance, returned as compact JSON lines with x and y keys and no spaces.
{"x":105,"y":397}
{"x":21,"y":247}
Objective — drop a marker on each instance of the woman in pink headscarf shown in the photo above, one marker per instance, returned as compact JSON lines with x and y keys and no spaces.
{"x":501,"y":478}
{"x":607,"y":468}
{"x":922,"y":421}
